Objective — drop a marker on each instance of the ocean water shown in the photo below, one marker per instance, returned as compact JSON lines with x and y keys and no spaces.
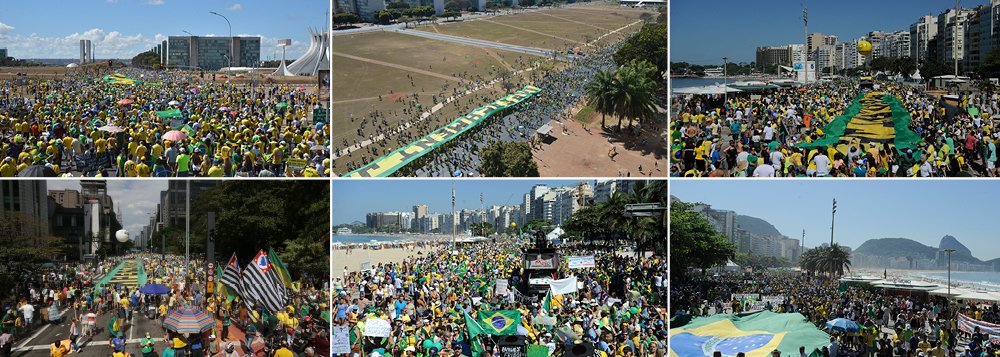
{"x":990,"y":279}
{"x":696,"y":82}
{"x":365,"y":238}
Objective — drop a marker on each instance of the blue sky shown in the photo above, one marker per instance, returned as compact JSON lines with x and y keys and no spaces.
{"x":704,"y":31}
{"x":352,"y":199}
{"x":922,"y":210}
{"x":123,"y":28}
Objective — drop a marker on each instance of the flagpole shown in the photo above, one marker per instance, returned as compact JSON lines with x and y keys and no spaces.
{"x":187,"y":226}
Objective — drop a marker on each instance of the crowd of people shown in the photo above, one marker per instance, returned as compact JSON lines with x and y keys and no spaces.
{"x":84,"y":125}
{"x":891,"y":323}
{"x":767,"y":134}
{"x":561,"y":90}
{"x":619,"y":308}
{"x":83,"y":293}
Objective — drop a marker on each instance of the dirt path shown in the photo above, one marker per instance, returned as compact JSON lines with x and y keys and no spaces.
{"x":402,"y":67}
{"x":499,"y":59}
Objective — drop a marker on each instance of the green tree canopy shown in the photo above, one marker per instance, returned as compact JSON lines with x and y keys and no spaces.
{"x":649,"y":44}
{"x":345,"y":18}
{"x":148,"y":59}
{"x":694,"y":242}
{"x":508,"y":160}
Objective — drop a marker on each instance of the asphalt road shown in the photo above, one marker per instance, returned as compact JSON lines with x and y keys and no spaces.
{"x":38,"y":342}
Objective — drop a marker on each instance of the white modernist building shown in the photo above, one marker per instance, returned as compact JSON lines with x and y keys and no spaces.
{"x":316,"y":58}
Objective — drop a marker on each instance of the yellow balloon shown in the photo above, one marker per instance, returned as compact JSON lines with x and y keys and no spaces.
{"x":513,"y":224}
{"x":865,"y":48}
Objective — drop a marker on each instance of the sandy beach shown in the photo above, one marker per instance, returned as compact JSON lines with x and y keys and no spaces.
{"x":353,"y":261}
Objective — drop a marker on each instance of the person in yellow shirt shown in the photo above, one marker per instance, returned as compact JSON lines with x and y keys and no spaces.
{"x":8,"y":168}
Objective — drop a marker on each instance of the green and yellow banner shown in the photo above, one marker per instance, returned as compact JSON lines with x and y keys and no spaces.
{"x":389,"y":164}
{"x":755,"y":335}
{"x":873,"y":117}
{"x":119,"y":78}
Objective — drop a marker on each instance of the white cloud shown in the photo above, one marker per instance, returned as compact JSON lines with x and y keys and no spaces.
{"x":155,"y":2}
{"x":236,"y":7}
{"x":4,"y":28}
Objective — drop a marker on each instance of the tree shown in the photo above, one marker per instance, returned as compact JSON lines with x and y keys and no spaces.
{"x":832,"y":260}
{"x":603,"y":94}
{"x":649,"y":44}
{"x":458,"y":5}
{"x":148,"y":59}
{"x":398,"y":5}
{"x":290,"y":216}
{"x":483,"y":229}
{"x":345,"y":18}
{"x":385,"y":17}
{"x":694,"y":242}
{"x":451,"y":13}
{"x":931,"y":69}
{"x":991,"y":64}
{"x":637,"y":93}
{"x":508,"y":160}
{"x":22,"y":250}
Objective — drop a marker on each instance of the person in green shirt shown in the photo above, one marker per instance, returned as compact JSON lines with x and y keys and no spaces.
{"x":147,"y":346}
{"x":183,"y":163}
{"x":226,"y":322}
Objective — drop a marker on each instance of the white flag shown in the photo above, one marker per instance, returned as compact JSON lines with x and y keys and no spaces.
{"x":563,"y":286}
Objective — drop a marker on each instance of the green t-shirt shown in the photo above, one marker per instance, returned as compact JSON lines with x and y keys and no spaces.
{"x":183,"y":163}
{"x":147,"y":345}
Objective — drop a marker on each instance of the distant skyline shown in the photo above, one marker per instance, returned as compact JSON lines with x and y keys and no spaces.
{"x":353,"y":199}
{"x":125,"y":28}
{"x":136,"y":199}
{"x":924,"y":210}
{"x":704,"y":31}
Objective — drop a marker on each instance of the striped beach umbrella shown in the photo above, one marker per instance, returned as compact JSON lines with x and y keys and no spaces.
{"x":188,"y":319}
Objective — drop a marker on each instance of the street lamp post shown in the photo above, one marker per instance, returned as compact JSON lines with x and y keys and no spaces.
{"x":725,"y":79}
{"x":833,"y":220}
{"x":230,"y":34}
{"x":185,"y":31}
{"x":949,"y":251}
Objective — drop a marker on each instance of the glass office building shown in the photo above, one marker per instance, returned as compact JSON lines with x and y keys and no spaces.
{"x":212,"y":53}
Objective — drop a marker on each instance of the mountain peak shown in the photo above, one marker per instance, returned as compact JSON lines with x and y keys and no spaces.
{"x":949,"y":242}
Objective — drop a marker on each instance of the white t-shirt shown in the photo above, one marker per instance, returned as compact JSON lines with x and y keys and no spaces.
{"x":822,"y":164}
{"x":925,"y":169}
{"x":776,"y":157}
{"x":764,"y":171}
{"x":768,"y":133}
{"x":28,"y":310}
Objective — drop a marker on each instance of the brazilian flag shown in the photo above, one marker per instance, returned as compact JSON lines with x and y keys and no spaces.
{"x":755,"y":334}
{"x":499,"y":322}
{"x":114,"y":327}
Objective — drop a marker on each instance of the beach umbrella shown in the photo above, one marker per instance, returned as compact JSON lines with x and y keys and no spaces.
{"x":173,"y":102}
{"x":224,"y":109}
{"x":154,"y":289}
{"x":37,"y":171}
{"x":320,"y":148}
{"x":457,"y":173}
{"x":281,"y":105}
{"x":174,"y":135}
{"x":300,"y":88}
{"x":125,"y":101}
{"x":111,"y":128}
{"x":843,"y":325}
{"x":188,"y":319}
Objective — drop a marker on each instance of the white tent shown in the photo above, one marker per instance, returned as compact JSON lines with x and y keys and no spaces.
{"x":555,"y":233}
{"x":730,"y":266}
{"x":980,"y":296}
{"x":72,"y":65}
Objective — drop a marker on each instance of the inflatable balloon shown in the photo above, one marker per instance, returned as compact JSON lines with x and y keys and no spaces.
{"x":865,"y":48}
{"x":633,"y":310}
{"x":428,"y":344}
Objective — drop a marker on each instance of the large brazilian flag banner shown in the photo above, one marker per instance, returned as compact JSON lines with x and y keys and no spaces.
{"x":388,"y":164}
{"x":873,"y":117}
{"x":119,"y":78}
{"x":755,"y":334}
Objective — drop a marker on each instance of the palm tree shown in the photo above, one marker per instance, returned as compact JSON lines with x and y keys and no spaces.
{"x":601,"y":92}
{"x":831,"y":260}
{"x":637,"y":97}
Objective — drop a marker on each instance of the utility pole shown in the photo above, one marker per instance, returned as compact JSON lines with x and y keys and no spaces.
{"x":805,"y":44}
{"x":187,"y":225}
{"x":725,"y":79}
{"x":454,"y":241}
{"x":833,"y":219}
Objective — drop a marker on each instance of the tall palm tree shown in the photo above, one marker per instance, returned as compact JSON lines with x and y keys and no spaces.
{"x":601,"y":93}
{"x":831,"y":260}
{"x":638,"y":93}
